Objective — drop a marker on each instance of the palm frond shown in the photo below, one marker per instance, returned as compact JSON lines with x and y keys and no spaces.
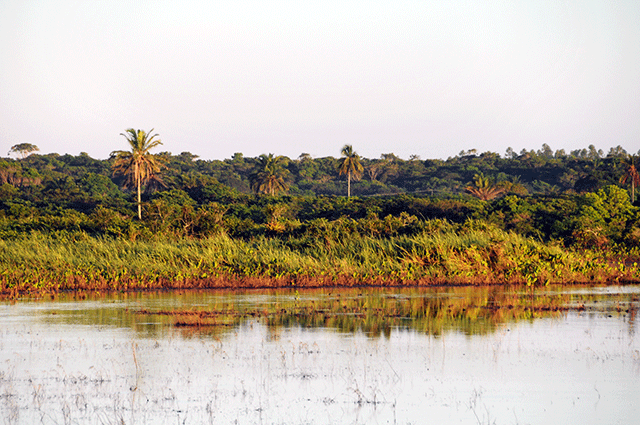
{"x":138,"y":166}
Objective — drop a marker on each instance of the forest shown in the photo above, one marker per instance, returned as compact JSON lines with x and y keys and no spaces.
{"x":330,"y":211}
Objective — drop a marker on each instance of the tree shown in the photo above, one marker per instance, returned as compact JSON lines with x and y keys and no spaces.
{"x":546,"y":151}
{"x":23,"y":149}
{"x":603,"y":216}
{"x":513,"y":186}
{"x":304,"y":157}
{"x":631,"y":175}
{"x":595,"y":153}
{"x":617,"y":152}
{"x":351,"y":166}
{"x":269,"y":175}
{"x":138,"y":166}
{"x":483,"y":188}
{"x":374,"y":170}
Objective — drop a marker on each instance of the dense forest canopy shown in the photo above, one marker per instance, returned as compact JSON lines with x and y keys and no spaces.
{"x":582,"y":195}
{"x":529,"y":172}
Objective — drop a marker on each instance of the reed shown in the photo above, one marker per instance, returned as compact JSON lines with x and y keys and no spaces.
{"x":50,"y":262}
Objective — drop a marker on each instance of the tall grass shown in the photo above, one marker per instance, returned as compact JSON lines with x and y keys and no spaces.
{"x":73,"y":261}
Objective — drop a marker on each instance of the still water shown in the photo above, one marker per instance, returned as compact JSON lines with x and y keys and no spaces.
{"x":366,"y":356}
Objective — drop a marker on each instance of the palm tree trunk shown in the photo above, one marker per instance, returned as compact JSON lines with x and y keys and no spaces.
{"x":139,"y":198}
{"x":349,"y":184}
{"x":139,"y":204}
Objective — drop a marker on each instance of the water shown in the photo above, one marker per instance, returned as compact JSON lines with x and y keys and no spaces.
{"x":454,"y":355}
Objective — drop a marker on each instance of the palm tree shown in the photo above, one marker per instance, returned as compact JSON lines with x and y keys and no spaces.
{"x":269,"y":175}
{"x":483,"y":188}
{"x":351,"y":166}
{"x":138,"y":165}
{"x":631,"y":175}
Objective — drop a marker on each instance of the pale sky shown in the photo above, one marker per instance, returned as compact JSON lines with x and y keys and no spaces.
{"x":423,"y":77}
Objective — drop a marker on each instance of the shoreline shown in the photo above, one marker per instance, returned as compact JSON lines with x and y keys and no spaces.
{"x":231,"y":284}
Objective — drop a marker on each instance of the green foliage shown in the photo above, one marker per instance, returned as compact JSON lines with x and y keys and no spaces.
{"x":350,"y":165}
{"x":175,"y":197}
{"x":484,"y":188}
{"x":472,"y":253}
{"x":631,"y":174}
{"x":138,"y":166}
{"x":8,"y":192}
{"x":603,"y":216}
{"x":395,"y":197}
{"x":99,"y":187}
{"x":269,"y":175}
{"x":23,"y":149}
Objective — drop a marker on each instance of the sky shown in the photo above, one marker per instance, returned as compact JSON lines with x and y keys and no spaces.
{"x":409,"y":77}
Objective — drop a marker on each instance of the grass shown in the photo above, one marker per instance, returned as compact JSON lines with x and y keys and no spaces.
{"x":41,"y":263}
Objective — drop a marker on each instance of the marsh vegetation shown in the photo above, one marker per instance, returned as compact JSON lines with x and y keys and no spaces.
{"x":472,"y":253}
{"x":144,"y":221}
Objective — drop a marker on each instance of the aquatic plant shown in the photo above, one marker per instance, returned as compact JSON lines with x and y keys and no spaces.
{"x":466,"y":254}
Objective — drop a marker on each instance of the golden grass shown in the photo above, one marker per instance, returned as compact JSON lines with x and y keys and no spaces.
{"x":43,"y":263}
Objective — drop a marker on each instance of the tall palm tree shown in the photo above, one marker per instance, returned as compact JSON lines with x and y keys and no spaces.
{"x":138,"y":165}
{"x":351,"y":166}
{"x":269,"y":175}
{"x":483,"y":188}
{"x":631,"y":175}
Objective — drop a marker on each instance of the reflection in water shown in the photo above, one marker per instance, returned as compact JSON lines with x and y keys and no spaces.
{"x":454,"y":355}
{"x":375,"y":312}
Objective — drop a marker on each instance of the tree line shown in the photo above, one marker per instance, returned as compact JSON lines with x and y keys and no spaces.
{"x":583,"y":196}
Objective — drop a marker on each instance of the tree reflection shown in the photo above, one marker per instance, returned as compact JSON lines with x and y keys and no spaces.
{"x":372,"y":311}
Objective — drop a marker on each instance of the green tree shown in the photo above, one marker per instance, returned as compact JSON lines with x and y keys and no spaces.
{"x":23,"y":149}
{"x":631,"y":175}
{"x":99,"y":187}
{"x":603,"y":216}
{"x":350,"y":165}
{"x":138,"y":166}
{"x":7,"y":192}
{"x":483,"y":188}
{"x":269,"y":175}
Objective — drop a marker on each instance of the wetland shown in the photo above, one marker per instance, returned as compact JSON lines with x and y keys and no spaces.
{"x":488,"y":354}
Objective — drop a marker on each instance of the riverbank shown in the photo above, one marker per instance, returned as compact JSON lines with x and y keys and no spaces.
{"x":41,"y":263}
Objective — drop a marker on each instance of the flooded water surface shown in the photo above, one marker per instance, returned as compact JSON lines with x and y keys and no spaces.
{"x":365,"y":356}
